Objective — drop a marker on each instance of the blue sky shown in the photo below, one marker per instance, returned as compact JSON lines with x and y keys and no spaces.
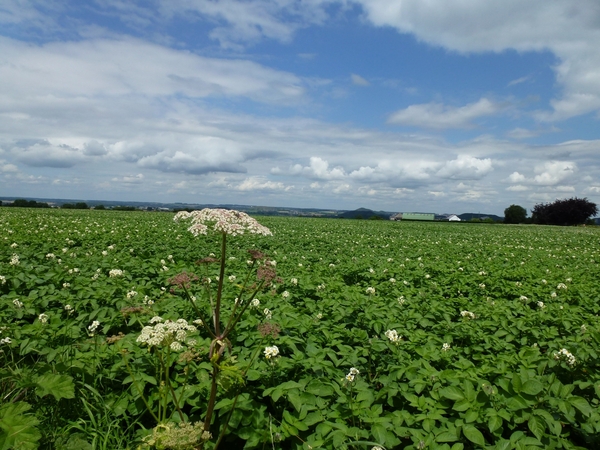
{"x":402,"y":105}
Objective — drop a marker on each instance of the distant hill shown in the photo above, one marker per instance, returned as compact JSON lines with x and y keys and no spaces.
{"x":469,"y":216}
{"x":364,"y":213}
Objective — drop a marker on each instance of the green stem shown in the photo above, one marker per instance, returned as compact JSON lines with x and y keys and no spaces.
{"x":139,"y":390}
{"x":217,"y":311}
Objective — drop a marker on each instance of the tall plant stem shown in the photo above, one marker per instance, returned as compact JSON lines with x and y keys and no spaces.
{"x":211,"y":399}
{"x":217,"y":312}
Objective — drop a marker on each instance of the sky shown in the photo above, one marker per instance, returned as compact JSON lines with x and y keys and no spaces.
{"x":444,"y":106}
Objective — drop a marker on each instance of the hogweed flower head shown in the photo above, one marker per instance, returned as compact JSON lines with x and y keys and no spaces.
{"x":224,"y":221}
{"x":165,"y":332}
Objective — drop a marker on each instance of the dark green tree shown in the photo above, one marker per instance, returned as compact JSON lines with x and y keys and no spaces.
{"x":571,"y":211}
{"x":515,"y":214}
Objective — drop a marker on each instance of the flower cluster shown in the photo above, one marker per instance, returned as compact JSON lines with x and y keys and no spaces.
{"x":565,"y":355}
{"x":43,"y":318}
{"x":14,"y":260}
{"x":224,"y":221}
{"x":166,"y":332}
{"x":351,"y":374}
{"x":561,"y":286}
{"x":370,"y":290}
{"x":115,"y":273}
{"x":17,"y":303}
{"x":271,"y":352}
{"x":541,"y":305}
{"x":93,"y":327}
{"x":468,"y":314}
{"x":392,"y":335}
{"x":445,"y":347}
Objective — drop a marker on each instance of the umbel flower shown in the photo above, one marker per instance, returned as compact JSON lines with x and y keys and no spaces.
{"x":166,"y":332}
{"x":225,"y":221}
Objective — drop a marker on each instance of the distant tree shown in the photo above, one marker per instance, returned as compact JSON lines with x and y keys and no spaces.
{"x":68,"y":206}
{"x":515,"y":214}
{"x":572,"y":211}
{"x":100,"y":207}
{"x":81,"y":205}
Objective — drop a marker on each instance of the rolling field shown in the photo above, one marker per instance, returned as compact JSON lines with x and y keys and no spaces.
{"x":332,"y":334}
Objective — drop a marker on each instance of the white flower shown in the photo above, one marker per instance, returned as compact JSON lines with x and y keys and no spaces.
{"x":14,"y":245}
{"x":561,"y":286}
{"x":14,"y":260}
{"x":69,"y":309}
{"x":131,"y":294}
{"x":222,"y":221}
{"x":319,"y":316}
{"x":285,"y":294}
{"x":371,"y":270}
{"x":541,"y":305}
{"x":17,"y":303}
{"x":5,"y":340}
{"x":115,"y":273}
{"x":523,"y":298}
{"x":93,"y":327}
{"x":468,"y":314}
{"x":445,"y":347}
{"x":268,"y":313}
{"x":401,"y":300}
{"x":294,"y":281}
{"x":321,"y":287}
{"x":481,"y":286}
{"x":176,"y":346}
{"x":565,"y":355}
{"x":271,"y":352}
{"x":232,"y":278}
{"x":352,"y":373}
{"x":370,"y":290}
{"x":66,"y":285}
{"x":392,"y":280}
{"x":331,"y":265}
{"x":43,"y":318}
{"x":104,"y":253}
{"x":255,"y":303}
{"x":553,"y":295}
{"x":392,"y":335}
{"x":2,"y":279}
{"x":50,"y":256}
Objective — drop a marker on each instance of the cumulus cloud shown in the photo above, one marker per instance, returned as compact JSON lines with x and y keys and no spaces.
{"x":437,"y":115}
{"x":466,"y":167}
{"x":554,"y":172}
{"x":43,"y":153}
{"x":262,"y":184}
{"x":570,"y":30}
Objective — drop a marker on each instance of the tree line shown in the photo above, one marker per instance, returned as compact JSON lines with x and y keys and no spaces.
{"x":571,"y":211}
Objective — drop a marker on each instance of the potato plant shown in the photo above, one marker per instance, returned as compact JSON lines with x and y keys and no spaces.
{"x":368,"y":334}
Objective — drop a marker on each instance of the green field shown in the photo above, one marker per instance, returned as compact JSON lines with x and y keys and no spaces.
{"x":389,"y":334}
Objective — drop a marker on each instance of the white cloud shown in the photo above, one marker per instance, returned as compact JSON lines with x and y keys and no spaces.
{"x":466,"y":167}
{"x":516,"y":177}
{"x":358,"y":80}
{"x":554,"y":172}
{"x":75,"y":71}
{"x":521,"y":133}
{"x":437,"y":115}
{"x":262,"y":184}
{"x":517,"y":188}
{"x":570,"y":30}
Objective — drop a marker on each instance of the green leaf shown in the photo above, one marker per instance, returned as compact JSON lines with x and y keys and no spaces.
{"x":532,"y":387}
{"x":581,"y":404}
{"x":474,"y":435}
{"x":446,"y":436}
{"x":60,"y":386}
{"x":253,"y":375}
{"x":452,"y":392}
{"x":494,"y":423}
{"x":18,"y":429}
{"x":379,"y":433}
{"x":516,"y":383}
{"x":536,"y":426}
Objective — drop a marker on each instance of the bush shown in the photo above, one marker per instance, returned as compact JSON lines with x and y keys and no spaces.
{"x":515,"y":214}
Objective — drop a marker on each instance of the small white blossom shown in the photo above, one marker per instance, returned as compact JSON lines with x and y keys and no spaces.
{"x":2,"y":279}
{"x":401,"y":300}
{"x":319,"y":316}
{"x":392,"y":335}
{"x":93,"y":327}
{"x":50,"y":255}
{"x":541,"y":305}
{"x":285,"y":294}
{"x":561,"y":286}
{"x":565,"y":355}
{"x":351,"y":374}
{"x":268,"y":313}
{"x":294,"y":281}
{"x":370,"y":290}
{"x":5,"y":341}
{"x":115,"y":273}
{"x":445,"y":347}
{"x":392,"y":280}
{"x":468,"y":314}
{"x":43,"y":318}
{"x":14,"y":245}
{"x":271,"y":352}
{"x":232,"y":278}
{"x":14,"y":260}
{"x":17,"y":303}
{"x":131,"y":294}
{"x":66,"y":285}
{"x":69,"y":309}
{"x":255,"y":303}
